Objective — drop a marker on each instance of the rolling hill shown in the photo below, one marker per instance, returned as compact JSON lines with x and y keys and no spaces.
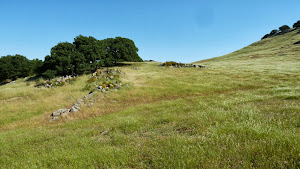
{"x":242,"y":112}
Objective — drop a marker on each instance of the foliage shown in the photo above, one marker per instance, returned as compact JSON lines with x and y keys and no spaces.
{"x":120,"y":49}
{"x":49,"y":74}
{"x":171,"y":63}
{"x":60,"y":59}
{"x":266,"y":36}
{"x":273,"y":32}
{"x":84,"y":55}
{"x":36,"y":66}
{"x":284,"y":28}
{"x":91,"y":49}
{"x":297,"y":24}
{"x":92,"y":79}
{"x":87,"y":54}
{"x":13,"y":67}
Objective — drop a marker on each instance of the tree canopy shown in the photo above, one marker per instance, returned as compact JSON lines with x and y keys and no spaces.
{"x":273,"y":32}
{"x":12,"y":67}
{"x":120,"y":49}
{"x":284,"y":28}
{"x":297,"y":24}
{"x":86,"y":54}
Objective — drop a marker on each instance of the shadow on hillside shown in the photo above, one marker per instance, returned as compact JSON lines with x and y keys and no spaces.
{"x":34,"y":78}
{"x":123,"y":64}
{"x":37,"y":77}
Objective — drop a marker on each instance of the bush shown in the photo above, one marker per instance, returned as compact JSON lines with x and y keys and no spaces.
{"x":266,"y":36}
{"x":8,"y":80}
{"x":92,"y":79}
{"x":171,"y":63}
{"x":49,"y":74}
{"x":297,"y":24}
{"x":61,"y":84}
{"x":284,"y":28}
{"x":13,"y":67}
{"x":273,"y":32}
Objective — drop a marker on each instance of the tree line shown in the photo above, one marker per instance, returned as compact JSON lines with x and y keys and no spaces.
{"x":282,"y":30}
{"x":84,"y":55}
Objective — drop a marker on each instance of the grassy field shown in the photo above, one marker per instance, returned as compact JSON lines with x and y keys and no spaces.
{"x":243,"y":112}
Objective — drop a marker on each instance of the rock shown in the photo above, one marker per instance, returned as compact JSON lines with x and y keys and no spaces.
{"x":54,"y":118}
{"x":48,"y":85}
{"x":59,"y":112}
{"x":80,"y":101}
{"x":66,"y":113}
{"x":90,"y":104}
{"x":91,"y":94}
{"x":74,"y":109}
{"x":202,"y":66}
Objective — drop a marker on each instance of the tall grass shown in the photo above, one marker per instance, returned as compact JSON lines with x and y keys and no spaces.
{"x":243,"y":112}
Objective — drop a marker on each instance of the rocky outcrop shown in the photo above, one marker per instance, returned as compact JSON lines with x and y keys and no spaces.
{"x":59,"y":81}
{"x":110,"y":81}
{"x":184,"y":66}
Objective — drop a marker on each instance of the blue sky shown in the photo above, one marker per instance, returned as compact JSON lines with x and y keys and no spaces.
{"x":163,"y":30}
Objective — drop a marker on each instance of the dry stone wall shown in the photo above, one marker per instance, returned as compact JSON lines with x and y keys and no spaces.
{"x":102,"y":81}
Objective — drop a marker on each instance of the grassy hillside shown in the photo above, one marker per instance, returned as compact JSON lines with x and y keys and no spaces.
{"x":243,"y":112}
{"x":267,"y":49}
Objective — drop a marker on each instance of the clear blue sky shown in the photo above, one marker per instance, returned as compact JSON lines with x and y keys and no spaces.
{"x":178,"y":30}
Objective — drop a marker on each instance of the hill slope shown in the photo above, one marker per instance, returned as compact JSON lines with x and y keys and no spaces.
{"x":243,"y":112}
{"x":275,"y":47}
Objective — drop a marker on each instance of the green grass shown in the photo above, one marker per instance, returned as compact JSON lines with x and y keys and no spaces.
{"x":243,"y":112}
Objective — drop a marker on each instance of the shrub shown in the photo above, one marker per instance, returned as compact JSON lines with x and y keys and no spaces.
{"x":171,"y":63}
{"x":284,"y":28}
{"x":98,"y":73}
{"x":297,"y":24}
{"x":13,"y":67}
{"x":8,"y":80}
{"x":266,"y":36}
{"x":273,"y":32}
{"x":49,"y":74}
{"x":92,"y":79}
{"x":61,"y":84}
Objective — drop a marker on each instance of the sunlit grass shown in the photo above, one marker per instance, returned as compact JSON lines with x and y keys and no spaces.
{"x":243,"y":112}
